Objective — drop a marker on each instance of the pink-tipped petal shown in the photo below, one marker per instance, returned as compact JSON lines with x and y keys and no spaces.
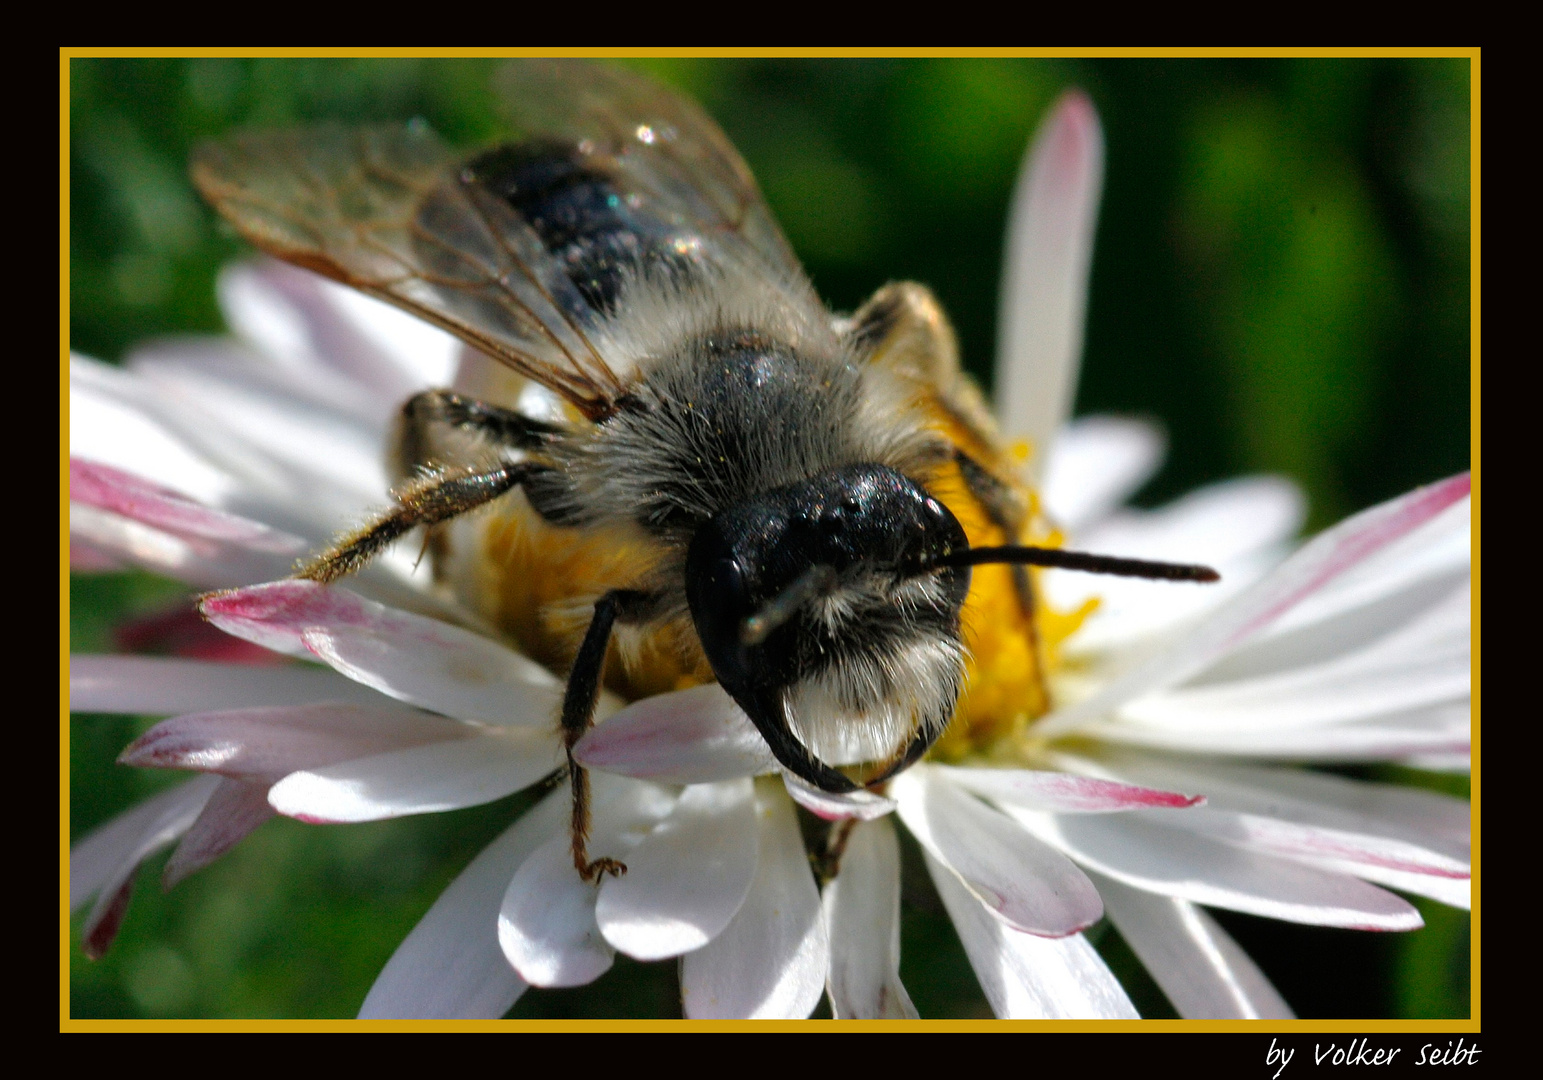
{"x":266,"y":745}
{"x":1024,"y":882}
{"x":687,"y":737}
{"x":232,"y":812}
{"x":1045,"y":273}
{"x":1027,"y":977}
{"x":833,"y":806}
{"x":1361,"y":853}
{"x":136,"y":498}
{"x":1202,"y":970}
{"x":1064,"y":793}
{"x":193,"y":560}
{"x":157,"y":686}
{"x":688,"y":877}
{"x":179,"y":630}
{"x":115,"y":420}
{"x":1176,"y":862}
{"x":1453,"y":891}
{"x":409,"y":657}
{"x":1439,"y":823}
{"x":104,"y":861}
{"x":451,"y":966}
{"x":862,"y":915}
{"x":770,"y":962}
{"x":277,"y":614}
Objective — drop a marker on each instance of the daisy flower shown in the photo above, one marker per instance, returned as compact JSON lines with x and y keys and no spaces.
{"x":1163,"y":777}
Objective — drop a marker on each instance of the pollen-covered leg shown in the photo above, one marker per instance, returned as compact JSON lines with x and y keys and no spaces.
{"x":579,"y":700}
{"x":432,"y":498}
{"x":423,"y":413}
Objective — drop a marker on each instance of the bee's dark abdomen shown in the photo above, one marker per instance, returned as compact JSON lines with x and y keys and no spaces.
{"x":582,"y":218}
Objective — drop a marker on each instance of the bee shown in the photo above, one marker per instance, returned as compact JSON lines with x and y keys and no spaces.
{"x":674,"y":436}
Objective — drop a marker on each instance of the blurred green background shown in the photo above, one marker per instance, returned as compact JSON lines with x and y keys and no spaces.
{"x":1281,"y":278}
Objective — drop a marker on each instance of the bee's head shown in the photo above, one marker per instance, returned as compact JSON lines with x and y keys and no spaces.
{"x":824,"y":614}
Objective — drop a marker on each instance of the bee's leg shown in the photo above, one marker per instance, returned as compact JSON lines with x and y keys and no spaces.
{"x":1002,"y":507}
{"x":501,"y":427}
{"x":628,"y":605}
{"x":432,"y":498}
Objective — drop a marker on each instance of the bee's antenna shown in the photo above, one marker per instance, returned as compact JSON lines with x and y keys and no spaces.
{"x":817,"y":579}
{"x":1079,"y":560}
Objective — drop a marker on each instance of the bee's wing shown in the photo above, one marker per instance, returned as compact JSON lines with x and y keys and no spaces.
{"x":387,"y":211}
{"x":660,"y":148}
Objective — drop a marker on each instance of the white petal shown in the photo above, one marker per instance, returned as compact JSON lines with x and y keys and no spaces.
{"x":425,"y":354}
{"x":100,"y":855}
{"x":1097,"y":463}
{"x":1045,"y":273}
{"x":134,"y":497}
{"x":1358,"y":853}
{"x":1239,"y":527}
{"x":1178,"y":863}
{"x":546,"y":923}
{"x":154,"y":686}
{"x":269,"y":744}
{"x":301,"y":322}
{"x":1024,"y":882}
{"x":278,"y":437}
{"x":1451,"y":890}
{"x":443,"y":668}
{"x":1438,"y":728}
{"x":451,"y":965}
{"x":1326,"y":557}
{"x":1439,"y":823}
{"x":232,"y":812}
{"x":1213,"y":524}
{"x":862,"y":916}
{"x":1065,"y":793}
{"x":420,"y":780}
{"x":202,"y":563}
{"x":1027,"y":977}
{"x":1202,"y":970}
{"x":1424,"y":661}
{"x":686,"y":737}
{"x":1421,"y":613}
{"x":111,"y":422}
{"x":770,"y":962}
{"x":410,"y":657}
{"x":687,"y":879}
{"x":1438,"y":552}
{"x":104,"y":861}
{"x":837,"y":806}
